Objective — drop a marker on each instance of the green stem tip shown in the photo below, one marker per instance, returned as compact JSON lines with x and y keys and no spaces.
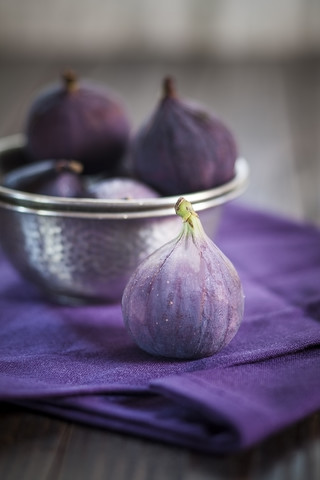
{"x":190,"y":218}
{"x":185,"y":210}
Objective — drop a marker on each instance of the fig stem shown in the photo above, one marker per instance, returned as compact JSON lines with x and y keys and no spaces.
{"x":169,"y":89}
{"x":185,"y":210}
{"x":69,"y":165}
{"x":70,"y":81}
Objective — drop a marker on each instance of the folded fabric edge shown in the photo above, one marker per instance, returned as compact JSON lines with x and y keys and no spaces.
{"x":57,"y":393}
{"x":118,"y":424}
{"x":251,"y":417}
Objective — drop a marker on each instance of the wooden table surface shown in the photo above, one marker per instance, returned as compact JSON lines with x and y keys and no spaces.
{"x":274,"y":110}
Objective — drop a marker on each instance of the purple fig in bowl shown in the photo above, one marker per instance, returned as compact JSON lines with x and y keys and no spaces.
{"x":121,"y":188}
{"x":78,"y":120}
{"x":182,"y":148}
{"x":185,"y":300}
{"x":57,"y":178}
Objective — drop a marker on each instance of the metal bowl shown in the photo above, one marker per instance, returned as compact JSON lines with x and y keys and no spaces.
{"x":84,"y":250}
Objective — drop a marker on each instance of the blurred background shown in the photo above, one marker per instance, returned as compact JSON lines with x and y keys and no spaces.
{"x":255,"y":63}
{"x":170,"y":28}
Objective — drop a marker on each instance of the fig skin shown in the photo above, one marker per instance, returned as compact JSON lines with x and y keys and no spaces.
{"x":58,"y":178}
{"x":121,"y":188}
{"x":185,"y":300}
{"x":82,"y":121}
{"x":182,"y":148}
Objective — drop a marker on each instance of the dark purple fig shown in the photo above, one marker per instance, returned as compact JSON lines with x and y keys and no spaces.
{"x":82,"y":121}
{"x":60,"y":178}
{"x":182,"y":148}
{"x":121,"y":188}
{"x":185,"y":300}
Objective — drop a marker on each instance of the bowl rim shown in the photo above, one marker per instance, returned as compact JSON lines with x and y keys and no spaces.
{"x":103,"y":208}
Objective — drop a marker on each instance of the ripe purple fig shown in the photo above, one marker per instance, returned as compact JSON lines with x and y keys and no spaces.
{"x":82,"y":121}
{"x":185,"y":300}
{"x":182,"y":148}
{"x":59,"y":178}
{"x":121,"y":188}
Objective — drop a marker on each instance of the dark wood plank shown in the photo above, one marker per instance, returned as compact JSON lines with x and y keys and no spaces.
{"x":36,"y":446}
{"x":28,"y":446}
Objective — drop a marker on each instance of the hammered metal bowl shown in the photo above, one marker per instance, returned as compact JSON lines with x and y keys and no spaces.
{"x":84,"y":250}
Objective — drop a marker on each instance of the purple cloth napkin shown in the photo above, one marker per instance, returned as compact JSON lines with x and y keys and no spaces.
{"x":79,"y":362}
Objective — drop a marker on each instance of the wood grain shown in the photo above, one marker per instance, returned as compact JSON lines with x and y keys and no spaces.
{"x":33,"y":446}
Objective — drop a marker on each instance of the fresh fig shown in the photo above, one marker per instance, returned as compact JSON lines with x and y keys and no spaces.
{"x":183,"y":148}
{"x":82,"y":121}
{"x":60,"y":178}
{"x":185,"y":300}
{"x":121,"y":188}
